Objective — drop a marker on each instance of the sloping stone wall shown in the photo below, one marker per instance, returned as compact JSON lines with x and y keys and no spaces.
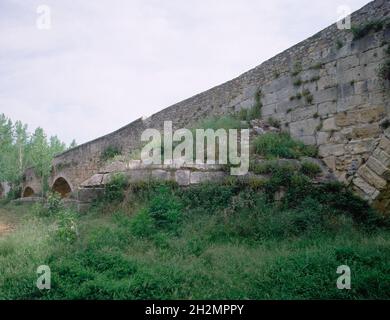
{"x":325,"y":91}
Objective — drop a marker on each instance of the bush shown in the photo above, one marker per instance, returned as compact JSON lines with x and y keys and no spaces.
{"x":254,"y":112}
{"x":364,"y":29}
{"x":115,"y":189}
{"x":54,"y":203}
{"x":310,"y":169}
{"x":274,"y":122}
{"x":142,"y":224}
{"x":165,"y":210}
{"x":208,"y":196}
{"x":67,"y":226}
{"x":14,"y":193}
{"x":110,"y":153}
{"x":281,"y":145}
{"x":163,"y":213}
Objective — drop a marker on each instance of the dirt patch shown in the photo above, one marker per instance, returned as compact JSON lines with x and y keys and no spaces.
{"x":5,"y":228}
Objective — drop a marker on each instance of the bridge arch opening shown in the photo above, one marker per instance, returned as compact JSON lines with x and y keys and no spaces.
{"x":28,"y":192}
{"x":1,"y":191}
{"x":62,"y":187}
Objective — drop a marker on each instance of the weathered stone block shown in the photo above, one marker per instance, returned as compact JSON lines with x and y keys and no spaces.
{"x":322,"y":138}
{"x":371,"y":114}
{"x":364,"y":186}
{"x":366,"y":131}
{"x":331,"y":150}
{"x":372,"y":178}
{"x":376,"y":166}
{"x":182,"y":177}
{"x":329,"y":124}
{"x":304,"y":127}
{"x":327,"y":108}
{"x":346,"y":119}
{"x":95,"y":181}
{"x":360,"y":146}
{"x":199,"y":177}
{"x":268,"y":110}
{"x":330,"y":162}
{"x":138,"y":175}
{"x":115,"y":166}
{"x":384,"y":144}
{"x":161,"y":175}
{"x":382,"y":156}
{"x":303,"y":113}
{"x":89,"y":194}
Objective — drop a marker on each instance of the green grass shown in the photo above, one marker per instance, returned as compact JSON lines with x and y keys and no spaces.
{"x":205,"y":242}
{"x":360,"y":31}
{"x":223,"y":122}
{"x":281,"y":145}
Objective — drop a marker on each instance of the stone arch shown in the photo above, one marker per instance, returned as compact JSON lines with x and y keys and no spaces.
{"x":28,"y":192}
{"x":62,"y":186}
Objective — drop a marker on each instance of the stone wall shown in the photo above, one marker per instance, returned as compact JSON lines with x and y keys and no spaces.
{"x":31,"y":181}
{"x":325,"y":91}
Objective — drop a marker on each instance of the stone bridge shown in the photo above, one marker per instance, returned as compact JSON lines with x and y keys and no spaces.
{"x":326,"y":91}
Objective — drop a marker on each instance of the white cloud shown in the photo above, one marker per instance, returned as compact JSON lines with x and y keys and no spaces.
{"x":106,"y":63}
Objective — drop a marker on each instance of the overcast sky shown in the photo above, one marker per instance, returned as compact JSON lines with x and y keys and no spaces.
{"x":105,"y":63}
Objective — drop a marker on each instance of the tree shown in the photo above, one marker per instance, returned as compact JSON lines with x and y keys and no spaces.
{"x":6,"y":146}
{"x":73,"y":144}
{"x":41,"y":156}
{"x":19,"y":150}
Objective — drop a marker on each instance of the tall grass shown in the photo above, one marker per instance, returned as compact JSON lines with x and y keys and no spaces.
{"x":281,"y":145}
{"x":204,"y":242}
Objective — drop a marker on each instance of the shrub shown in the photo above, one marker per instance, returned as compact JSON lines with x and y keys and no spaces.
{"x":67,"y":226}
{"x":142,"y":224}
{"x":339,"y":44}
{"x":315,"y":78}
{"x":316,"y":66}
{"x":110,"y":153}
{"x":54,"y":203}
{"x":364,"y":29}
{"x":274,"y":122}
{"x":297,"y":83}
{"x":115,"y":189}
{"x":297,"y":69}
{"x":14,"y":193}
{"x":255,"y":111}
{"x":208,"y":196}
{"x":243,"y":115}
{"x":165,"y":210}
{"x":281,"y":145}
{"x":309,"y":99}
{"x":162,"y":213}
{"x":310,"y":169}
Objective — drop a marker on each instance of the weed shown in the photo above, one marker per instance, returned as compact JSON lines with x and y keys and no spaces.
{"x":281,"y":145}
{"x":109,"y":153}
{"x":362,"y":30}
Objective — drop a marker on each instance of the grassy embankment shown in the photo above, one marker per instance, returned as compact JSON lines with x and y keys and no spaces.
{"x":227,"y":241}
